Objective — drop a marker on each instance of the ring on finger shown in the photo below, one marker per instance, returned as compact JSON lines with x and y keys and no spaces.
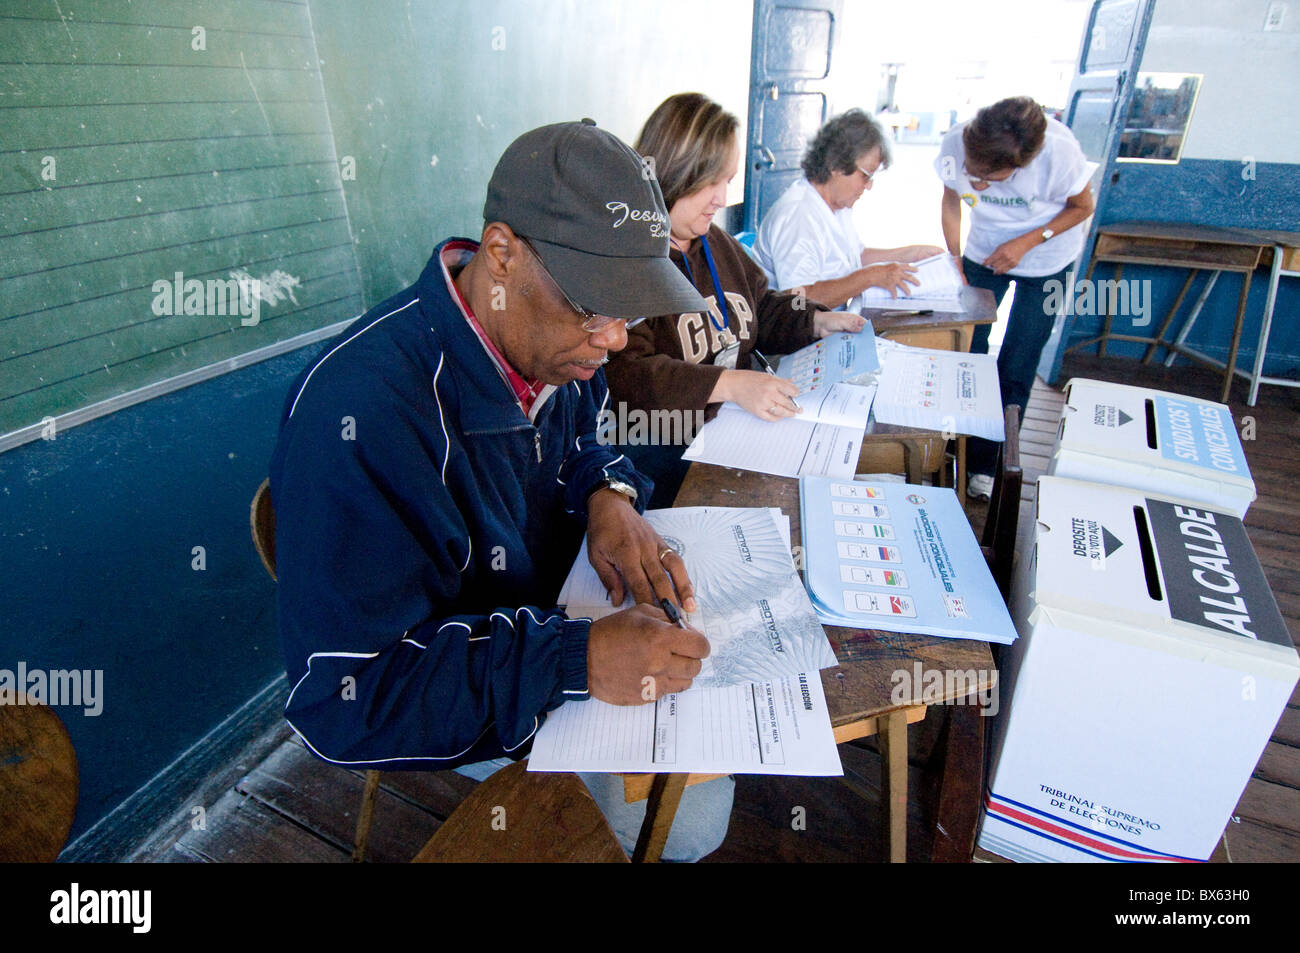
{"x":664,"y":552}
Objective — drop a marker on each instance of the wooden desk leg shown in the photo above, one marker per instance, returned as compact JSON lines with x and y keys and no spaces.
{"x":892,"y":729}
{"x":914,"y":460}
{"x":1236,"y":337}
{"x":660,"y":809}
{"x":1105,"y":333}
{"x":364,"y":817}
{"x":1169,"y":318}
{"x":956,"y":784}
{"x":961,"y":470}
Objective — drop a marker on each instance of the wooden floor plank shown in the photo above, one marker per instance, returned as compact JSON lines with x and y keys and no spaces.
{"x":1275,"y":805}
{"x":1251,"y":843}
{"x":437,"y":792}
{"x":326,"y":798}
{"x":243,"y":830}
{"x":1287,"y":731}
{"x":1280,"y":764}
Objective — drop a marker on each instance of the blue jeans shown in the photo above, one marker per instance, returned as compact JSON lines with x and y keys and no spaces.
{"x":1028,"y":328}
{"x":699,"y":826}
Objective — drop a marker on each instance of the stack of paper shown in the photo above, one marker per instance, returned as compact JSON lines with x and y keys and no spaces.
{"x":765,"y":712}
{"x":898,"y":557}
{"x":753,"y":608}
{"x":939,"y":289}
{"x":836,"y":381}
{"x":949,"y":391}
{"x":736,"y":438}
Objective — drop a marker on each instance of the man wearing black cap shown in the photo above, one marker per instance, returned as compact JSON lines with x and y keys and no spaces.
{"x":437,"y":467}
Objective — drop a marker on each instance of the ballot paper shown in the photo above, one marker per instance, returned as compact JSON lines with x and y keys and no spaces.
{"x":843,"y":358}
{"x":778,"y":726}
{"x":753,"y":608}
{"x":937,"y":276}
{"x":909,"y":303}
{"x":789,"y":447}
{"x":897,"y":557}
{"x":949,"y":391}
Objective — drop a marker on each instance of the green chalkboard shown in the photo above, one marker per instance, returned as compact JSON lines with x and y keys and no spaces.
{"x":332,"y":143}
{"x":152,"y":147}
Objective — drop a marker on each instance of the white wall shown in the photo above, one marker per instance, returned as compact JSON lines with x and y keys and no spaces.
{"x":1247,"y":104}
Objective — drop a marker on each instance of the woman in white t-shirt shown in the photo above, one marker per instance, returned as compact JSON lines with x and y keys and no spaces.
{"x":1025,"y":179}
{"x":807,"y":238}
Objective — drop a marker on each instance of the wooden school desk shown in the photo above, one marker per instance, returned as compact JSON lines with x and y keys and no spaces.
{"x":1197,"y":248}
{"x":942,"y":330}
{"x":858,"y":694}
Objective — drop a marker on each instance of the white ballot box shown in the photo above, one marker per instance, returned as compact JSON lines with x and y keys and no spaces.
{"x":1152,"y":440}
{"x":1151,"y":669}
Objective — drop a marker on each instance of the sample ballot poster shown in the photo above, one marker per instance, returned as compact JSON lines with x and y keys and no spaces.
{"x":897,"y":557}
{"x":939,"y":390}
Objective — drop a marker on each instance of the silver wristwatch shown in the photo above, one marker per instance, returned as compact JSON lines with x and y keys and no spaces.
{"x":618,"y":486}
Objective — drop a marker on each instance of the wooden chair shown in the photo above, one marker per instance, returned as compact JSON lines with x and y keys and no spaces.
{"x":38,"y":783}
{"x":999,"y":540}
{"x":515,"y":816}
{"x":261,"y":518}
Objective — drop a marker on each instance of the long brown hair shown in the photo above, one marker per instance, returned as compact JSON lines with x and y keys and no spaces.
{"x":1006,"y":135}
{"x":689,"y":138}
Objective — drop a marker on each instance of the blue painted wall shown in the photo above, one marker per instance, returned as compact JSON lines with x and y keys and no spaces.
{"x":97,"y":543}
{"x":1240,"y":167}
{"x":1208,"y":192}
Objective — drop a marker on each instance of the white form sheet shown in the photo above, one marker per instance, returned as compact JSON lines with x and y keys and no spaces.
{"x":939,"y":390}
{"x":917,"y":303}
{"x":790,"y":447}
{"x":753,"y":607}
{"x":938,"y":277}
{"x":780,"y":726}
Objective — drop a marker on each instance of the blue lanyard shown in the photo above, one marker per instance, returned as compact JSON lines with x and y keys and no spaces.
{"x":717,"y":285}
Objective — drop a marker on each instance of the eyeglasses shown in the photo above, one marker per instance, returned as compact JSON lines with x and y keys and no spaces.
{"x":985,"y":179}
{"x":591,"y":321}
{"x":868,"y":175}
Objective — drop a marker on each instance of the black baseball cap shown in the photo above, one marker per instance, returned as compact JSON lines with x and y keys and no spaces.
{"x":596,"y":216}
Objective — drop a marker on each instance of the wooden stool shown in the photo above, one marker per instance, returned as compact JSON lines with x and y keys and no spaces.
{"x":38,"y":783}
{"x":515,"y":816}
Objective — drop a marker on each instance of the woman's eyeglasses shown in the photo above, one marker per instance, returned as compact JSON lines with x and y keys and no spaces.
{"x":984,"y":179}
{"x":591,"y":321}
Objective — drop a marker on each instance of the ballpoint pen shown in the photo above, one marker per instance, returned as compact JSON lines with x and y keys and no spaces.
{"x":767,"y":366}
{"x":905,"y":314}
{"x":674,"y":615}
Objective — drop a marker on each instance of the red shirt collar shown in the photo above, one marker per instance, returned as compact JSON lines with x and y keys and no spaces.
{"x":525,"y":391}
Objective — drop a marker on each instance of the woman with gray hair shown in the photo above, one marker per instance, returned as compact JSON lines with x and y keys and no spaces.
{"x":808,"y":240}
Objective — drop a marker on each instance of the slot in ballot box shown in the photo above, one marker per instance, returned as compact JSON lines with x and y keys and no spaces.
{"x":1152,"y":440}
{"x":1151,"y":668}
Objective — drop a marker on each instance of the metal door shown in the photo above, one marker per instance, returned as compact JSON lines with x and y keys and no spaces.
{"x":1099,"y":99}
{"x":794,"y":42}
